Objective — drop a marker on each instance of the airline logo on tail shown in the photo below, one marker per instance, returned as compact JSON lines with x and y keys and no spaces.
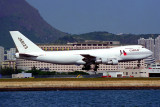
{"x":23,"y":43}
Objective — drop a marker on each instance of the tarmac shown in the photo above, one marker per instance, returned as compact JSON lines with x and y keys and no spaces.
{"x":78,"y":85}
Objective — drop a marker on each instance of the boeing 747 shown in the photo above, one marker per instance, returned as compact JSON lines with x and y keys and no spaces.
{"x":30,"y":51}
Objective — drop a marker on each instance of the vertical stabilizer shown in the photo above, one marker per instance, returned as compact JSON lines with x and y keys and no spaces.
{"x":23,"y":44}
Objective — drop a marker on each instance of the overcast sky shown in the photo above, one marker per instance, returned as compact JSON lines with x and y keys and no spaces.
{"x":115,"y":16}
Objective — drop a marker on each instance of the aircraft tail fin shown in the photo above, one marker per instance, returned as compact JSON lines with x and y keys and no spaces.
{"x":23,"y":44}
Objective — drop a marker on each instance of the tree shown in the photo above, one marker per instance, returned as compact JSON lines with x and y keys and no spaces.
{"x":7,"y":71}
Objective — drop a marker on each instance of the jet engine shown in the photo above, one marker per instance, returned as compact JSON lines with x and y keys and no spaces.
{"x":112,"y":61}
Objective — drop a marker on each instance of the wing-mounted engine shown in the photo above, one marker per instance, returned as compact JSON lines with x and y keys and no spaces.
{"x":112,"y":61}
{"x":89,"y":59}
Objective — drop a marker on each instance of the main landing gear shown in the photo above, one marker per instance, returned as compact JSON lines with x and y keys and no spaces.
{"x":88,"y":67}
{"x":96,"y":66}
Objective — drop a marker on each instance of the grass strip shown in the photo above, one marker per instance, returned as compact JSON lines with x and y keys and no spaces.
{"x":74,"y":79}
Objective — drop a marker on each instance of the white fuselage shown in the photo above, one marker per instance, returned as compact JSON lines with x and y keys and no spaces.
{"x":122,"y":53}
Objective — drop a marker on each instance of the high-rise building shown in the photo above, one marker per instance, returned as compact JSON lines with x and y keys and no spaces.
{"x":151,"y":45}
{"x":157,"y":48}
{"x":11,"y":53}
{"x":1,"y":54}
{"x":142,"y":41}
{"x":147,"y":43}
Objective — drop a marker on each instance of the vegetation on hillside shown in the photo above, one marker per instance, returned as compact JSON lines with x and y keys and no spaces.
{"x":105,"y":36}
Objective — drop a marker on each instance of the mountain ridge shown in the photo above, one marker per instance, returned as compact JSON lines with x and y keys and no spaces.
{"x":125,"y":39}
{"x":18,"y":15}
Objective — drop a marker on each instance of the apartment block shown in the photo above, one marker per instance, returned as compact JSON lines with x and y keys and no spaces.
{"x":157,"y":48}
{"x":148,"y":43}
{"x":1,"y":54}
{"x":11,"y":54}
{"x":153,"y":45}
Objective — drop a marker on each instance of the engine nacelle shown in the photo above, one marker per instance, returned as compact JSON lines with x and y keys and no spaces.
{"x":112,"y":61}
{"x":99,"y":61}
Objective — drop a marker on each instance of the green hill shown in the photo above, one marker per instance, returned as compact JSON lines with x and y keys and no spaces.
{"x":105,"y":36}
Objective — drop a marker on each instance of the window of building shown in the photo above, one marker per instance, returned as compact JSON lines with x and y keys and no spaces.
{"x":78,"y":44}
{"x":99,"y":44}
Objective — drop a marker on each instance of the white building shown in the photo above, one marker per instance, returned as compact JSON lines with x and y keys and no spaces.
{"x":152,"y":45}
{"x":22,"y":75}
{"x":113,"y":74}
{"x":157,"y":48}
{"x":1,"y":54}
{"x":135,"y":72}
{"x":11,"y":53}
{"x":148,"y":43}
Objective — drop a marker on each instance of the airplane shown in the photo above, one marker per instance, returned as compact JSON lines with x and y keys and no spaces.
{"x":110,"y":56}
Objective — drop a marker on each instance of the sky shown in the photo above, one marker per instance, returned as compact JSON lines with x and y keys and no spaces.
{"x":114,"y":16}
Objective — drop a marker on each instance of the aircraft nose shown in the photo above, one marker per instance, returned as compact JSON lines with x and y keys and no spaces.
{"x":150,"y":52}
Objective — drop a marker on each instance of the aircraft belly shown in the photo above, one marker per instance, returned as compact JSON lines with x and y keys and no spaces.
{"x":56,"y":59}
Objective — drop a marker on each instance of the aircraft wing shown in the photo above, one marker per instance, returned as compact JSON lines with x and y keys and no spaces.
{"x":88,"y":58}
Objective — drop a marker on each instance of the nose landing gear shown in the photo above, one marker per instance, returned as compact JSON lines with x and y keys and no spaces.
{"x":139,"y":65}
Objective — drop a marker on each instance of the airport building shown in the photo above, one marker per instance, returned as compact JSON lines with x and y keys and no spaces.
{"x":152,"y":71}
{"x":27,"y":65}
